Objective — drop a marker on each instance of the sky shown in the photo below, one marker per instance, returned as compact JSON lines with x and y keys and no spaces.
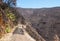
{"x":38,"y":3}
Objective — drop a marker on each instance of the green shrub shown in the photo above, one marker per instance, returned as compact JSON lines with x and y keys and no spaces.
{"x":7,"y":29}
{"x":11,"y":16}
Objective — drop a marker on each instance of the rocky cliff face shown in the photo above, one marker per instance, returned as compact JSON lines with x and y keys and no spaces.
{"x":46,"y":21}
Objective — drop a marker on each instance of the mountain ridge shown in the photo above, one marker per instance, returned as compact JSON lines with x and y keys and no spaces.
{"x":45,"y":20}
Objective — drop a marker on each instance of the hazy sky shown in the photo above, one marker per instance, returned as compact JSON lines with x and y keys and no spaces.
{"x":37,"y":3}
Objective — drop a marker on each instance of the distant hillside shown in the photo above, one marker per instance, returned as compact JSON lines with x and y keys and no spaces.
{"x":45,"y":20}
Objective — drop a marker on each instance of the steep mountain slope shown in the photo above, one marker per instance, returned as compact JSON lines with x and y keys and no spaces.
{"x":45,"y":20}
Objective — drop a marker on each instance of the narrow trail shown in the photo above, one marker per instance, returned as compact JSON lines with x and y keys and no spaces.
{"x":21,"y":35}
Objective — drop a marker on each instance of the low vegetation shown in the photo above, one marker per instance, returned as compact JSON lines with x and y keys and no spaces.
{"x":6,"y":17}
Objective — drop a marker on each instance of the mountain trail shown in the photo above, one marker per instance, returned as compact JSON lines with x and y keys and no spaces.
{"x":19,"y":34}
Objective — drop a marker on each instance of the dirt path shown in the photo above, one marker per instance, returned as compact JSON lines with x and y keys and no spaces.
{"x":19,"y":34}
{"x":25,"y":37}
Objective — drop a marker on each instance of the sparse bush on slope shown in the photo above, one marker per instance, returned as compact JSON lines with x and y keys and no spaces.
{"x":6,"y":17}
